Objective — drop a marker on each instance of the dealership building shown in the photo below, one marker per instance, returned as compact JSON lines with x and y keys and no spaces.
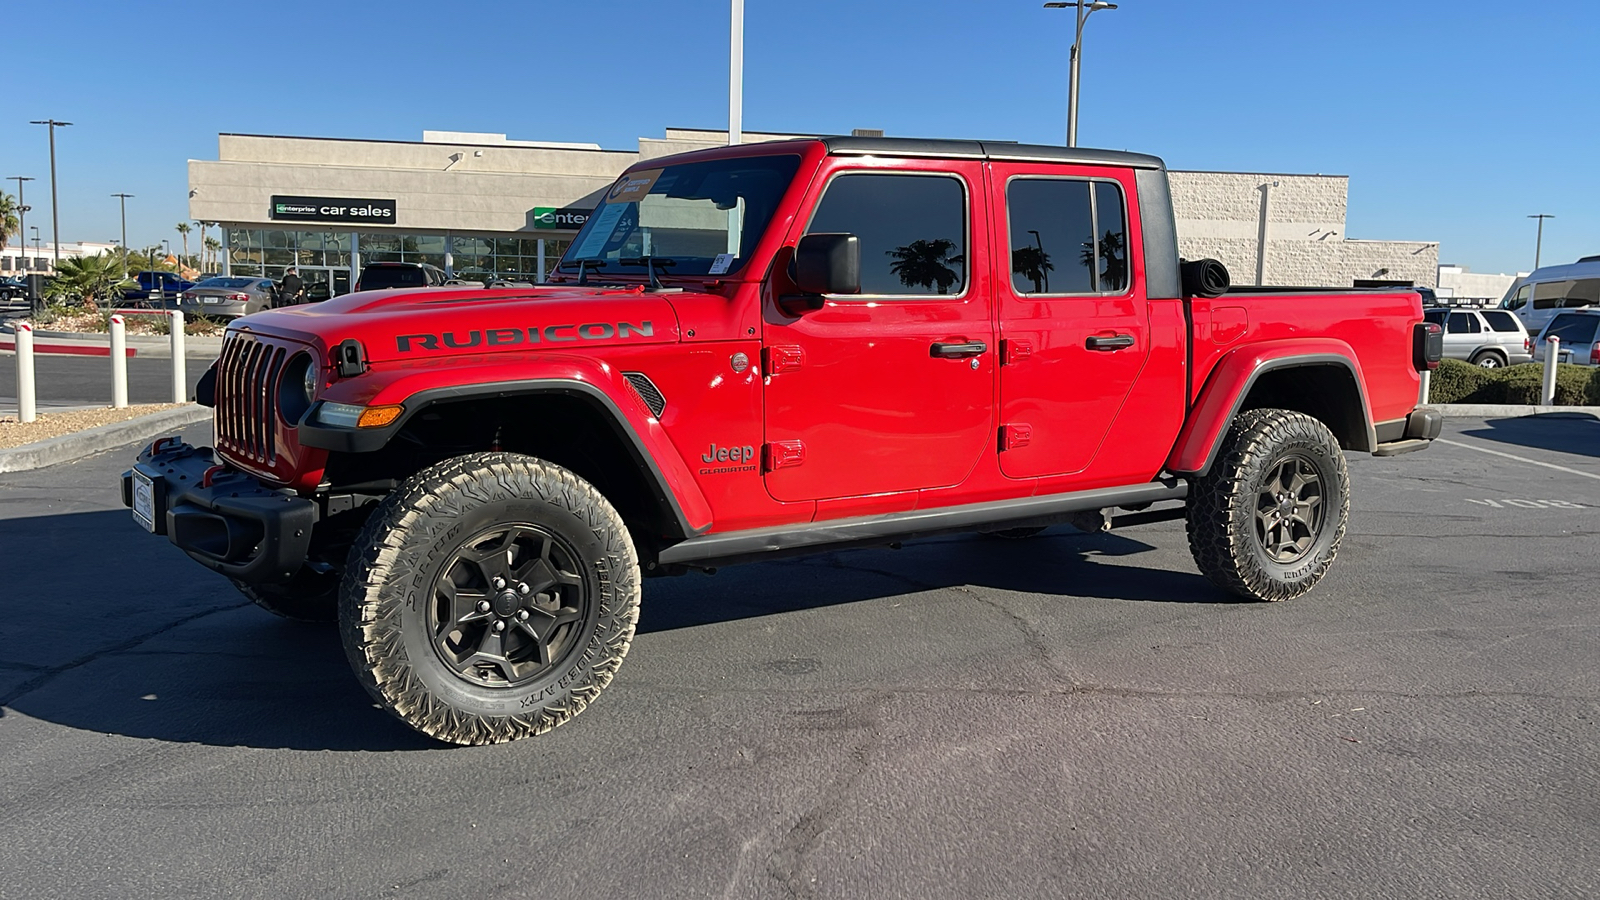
{"x":483,"y":206}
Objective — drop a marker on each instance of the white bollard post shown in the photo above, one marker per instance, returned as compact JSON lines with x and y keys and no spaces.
{"x":180,"y":380}
{"x":119,"y":363}
{"x":26,"y":410}
{"x":1552,"y":352}
{"x":1427,"y":384}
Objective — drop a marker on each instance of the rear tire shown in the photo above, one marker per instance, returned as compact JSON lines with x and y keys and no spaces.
{"x":1488,"y":359}
{"x":491,"y":597}
{"x":307,"y":597}
{"x":1266,"y":521}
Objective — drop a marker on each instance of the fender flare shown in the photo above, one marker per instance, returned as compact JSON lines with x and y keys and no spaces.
{"x":1230,"y":383}
{"x":644,"y":439}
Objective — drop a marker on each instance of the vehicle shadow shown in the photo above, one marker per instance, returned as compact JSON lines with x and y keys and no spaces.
{"x":1575,"y":433}
{"x":104,"y":629}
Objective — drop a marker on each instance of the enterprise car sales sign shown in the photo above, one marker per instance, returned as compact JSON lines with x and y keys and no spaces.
{"x":332,"y":209}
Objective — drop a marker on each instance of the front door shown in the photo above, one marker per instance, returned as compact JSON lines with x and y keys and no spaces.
{"x":1073,"y":317}
{"x":891,"y":389}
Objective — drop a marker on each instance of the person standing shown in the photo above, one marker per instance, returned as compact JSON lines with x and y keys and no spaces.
{"x":291,"y":289}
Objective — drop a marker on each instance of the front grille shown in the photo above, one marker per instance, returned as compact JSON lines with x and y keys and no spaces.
{"x":647,"y":392}
{"x":247,"y":398}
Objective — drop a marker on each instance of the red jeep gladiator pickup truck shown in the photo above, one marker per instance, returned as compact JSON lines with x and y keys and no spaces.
{"x":765,"y":349}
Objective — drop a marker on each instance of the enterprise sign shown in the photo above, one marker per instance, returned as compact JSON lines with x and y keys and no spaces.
{"x":568,"y":217}
{"x":332,"y":209}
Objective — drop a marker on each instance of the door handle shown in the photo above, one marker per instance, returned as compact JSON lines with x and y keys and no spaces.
{"x":958,"y":351}
{"x":1116,"y":342}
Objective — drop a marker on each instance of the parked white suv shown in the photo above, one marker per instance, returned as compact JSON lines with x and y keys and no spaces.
{"x":1490,"y":338}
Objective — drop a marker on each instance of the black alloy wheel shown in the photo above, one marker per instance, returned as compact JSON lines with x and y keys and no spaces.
{"x":509,"y":605}
{"x":1289,"y":510}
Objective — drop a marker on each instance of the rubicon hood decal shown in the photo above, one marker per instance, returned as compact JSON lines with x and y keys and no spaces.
{"x":517,"y":334}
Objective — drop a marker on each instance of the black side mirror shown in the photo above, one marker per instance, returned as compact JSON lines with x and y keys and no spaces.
{"x":828,"y":264}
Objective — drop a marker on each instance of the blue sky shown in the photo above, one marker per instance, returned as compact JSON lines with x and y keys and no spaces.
{"x":1455,"y":120}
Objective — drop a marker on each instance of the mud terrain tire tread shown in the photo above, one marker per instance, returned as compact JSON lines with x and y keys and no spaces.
{"x":1221,"y":517}
{"x":383,"y":561}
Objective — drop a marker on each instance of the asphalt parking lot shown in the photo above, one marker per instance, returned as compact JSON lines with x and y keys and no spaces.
{"x":1068,"y":716}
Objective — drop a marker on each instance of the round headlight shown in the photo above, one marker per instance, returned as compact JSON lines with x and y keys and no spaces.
{"x":297,"y":389}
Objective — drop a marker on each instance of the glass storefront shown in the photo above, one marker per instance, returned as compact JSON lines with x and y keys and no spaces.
{"x":270,"y":252}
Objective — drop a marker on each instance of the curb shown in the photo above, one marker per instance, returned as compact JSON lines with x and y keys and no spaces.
{"x":70,"y":447}
{"x":1500,"y":411}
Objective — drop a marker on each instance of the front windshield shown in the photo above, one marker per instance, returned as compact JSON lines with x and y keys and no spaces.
{"x":692,"y":219}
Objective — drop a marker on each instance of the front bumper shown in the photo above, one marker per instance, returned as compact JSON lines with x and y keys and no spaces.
{"x":224,"y":519}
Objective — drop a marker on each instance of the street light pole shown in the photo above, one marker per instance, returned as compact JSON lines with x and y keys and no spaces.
{"x":1086,"y":8}
{"x":736,"y":74}
{"x":22,"y":219}
{"x":55,"y":207}
{"x":123,"y":198}
{"x":1538,"y":247}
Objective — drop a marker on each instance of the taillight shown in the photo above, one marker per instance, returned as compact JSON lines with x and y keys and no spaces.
{"x":186,"y":296}
{"x":1594,"y":354}
{"x":239,"y":297}
{"x":1527,"y":345}
{"x":1427,"y":346}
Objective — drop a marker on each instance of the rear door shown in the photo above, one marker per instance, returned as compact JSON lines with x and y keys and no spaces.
{"x":1462,"y":335}
{"x":1074,"y":324}
{"x":892,"y":389}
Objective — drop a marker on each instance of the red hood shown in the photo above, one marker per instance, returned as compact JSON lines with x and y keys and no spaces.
{"x":415,"y":324}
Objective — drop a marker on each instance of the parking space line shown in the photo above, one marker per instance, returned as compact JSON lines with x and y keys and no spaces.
{"x":1522,"y":459}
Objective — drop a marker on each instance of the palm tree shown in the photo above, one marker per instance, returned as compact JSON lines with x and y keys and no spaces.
{"x":214,"y":246}
{"x":1032,"y":263}
{"x":1113,"y":255}
{"x":183,"y":230}
{"x":926,"y":264}
{"x":8,"y":219}
{"x":89,"y":278}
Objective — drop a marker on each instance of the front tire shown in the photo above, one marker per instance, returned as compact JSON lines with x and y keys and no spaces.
{"x":491,"y":597}
{"x":1266,"y":521}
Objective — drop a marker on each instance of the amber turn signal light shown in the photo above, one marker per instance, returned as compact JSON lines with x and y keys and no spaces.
{"x":378,"y":416}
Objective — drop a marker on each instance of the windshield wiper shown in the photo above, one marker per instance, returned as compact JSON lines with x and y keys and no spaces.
{"x":585,"y":266}
{"x":652,"y":264}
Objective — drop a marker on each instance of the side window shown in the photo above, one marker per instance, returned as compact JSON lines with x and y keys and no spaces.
{"x":1500,"y":320}
{"x":912,"y":228}
{"x":1520,"y":299}
{"x":1463,"y":323}
{"x":1055,"y":245}
{"x":1113,"y":234}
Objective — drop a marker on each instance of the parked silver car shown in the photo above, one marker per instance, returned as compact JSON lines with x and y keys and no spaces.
{"x":1579,"y":331}
{"x":228,"y":297}
{"x":1490,"y":338}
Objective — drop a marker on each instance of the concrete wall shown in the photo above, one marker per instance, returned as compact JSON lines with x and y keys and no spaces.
{"x":1225,"y":215}
{"x":1458,"y":281}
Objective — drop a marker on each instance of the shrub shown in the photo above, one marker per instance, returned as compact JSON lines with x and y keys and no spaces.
{"x":1458,"y":382}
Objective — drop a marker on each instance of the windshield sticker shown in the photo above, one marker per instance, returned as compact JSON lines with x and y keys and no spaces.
{"x":600,"y":228}
{"x":721,"y":264}
{"x":632,"y":187}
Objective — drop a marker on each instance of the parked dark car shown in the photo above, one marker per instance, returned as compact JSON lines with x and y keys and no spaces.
{"x":228,"y":297}
{"x":385,"y":275}
{"x":154,"y":285}
{"x":13,"y":289}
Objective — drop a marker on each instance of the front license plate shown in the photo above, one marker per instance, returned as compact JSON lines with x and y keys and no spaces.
{"x":144,"y":501}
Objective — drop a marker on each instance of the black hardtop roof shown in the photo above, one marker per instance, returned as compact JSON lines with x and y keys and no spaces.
{"x":850,"y":145}
{"x":843,"y":145}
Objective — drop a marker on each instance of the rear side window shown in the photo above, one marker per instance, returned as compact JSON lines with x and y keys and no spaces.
{"x":1501,"y":320}
{"x":1574,"y":294}
{"x":1463,"y":323}
{"x":377,"y":278}
{"x":1068,"y":236}
{"x":1572,"y":329}
{"x":912,"y":229}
